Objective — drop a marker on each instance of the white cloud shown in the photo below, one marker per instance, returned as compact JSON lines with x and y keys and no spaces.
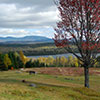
{"x":5,"y":32}
{"x":18,"y":15}
{"x":13,"y":16}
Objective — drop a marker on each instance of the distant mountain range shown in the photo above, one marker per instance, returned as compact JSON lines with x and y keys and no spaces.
{"x":26,"y":39}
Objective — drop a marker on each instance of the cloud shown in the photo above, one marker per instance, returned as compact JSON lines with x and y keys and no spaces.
{"x":41,"y":4}
{"x":18,"y":32}
{"x":19,"y":18}
{"x":5,"y":32}
{"x":27,"y":13}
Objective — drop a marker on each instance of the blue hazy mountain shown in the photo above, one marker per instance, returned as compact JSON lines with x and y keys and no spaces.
{"x":26,"y":39}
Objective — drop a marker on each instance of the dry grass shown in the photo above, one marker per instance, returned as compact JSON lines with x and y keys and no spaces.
{"x":49,"y":87}
{"x":68,"y":71}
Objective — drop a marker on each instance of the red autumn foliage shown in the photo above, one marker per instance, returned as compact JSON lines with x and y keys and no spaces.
{"x":12,"y":68}
{"x":79,"y":25}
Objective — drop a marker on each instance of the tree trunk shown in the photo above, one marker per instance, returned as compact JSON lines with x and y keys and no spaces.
{"x":86,"y":74}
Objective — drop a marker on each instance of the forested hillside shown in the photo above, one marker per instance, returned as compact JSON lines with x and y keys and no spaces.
{"x":32,"y":49}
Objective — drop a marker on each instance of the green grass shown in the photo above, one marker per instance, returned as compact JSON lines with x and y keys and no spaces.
{"x":48,"y":87}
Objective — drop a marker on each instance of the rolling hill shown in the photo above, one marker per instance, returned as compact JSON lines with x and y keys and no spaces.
{"x":26,"y":39}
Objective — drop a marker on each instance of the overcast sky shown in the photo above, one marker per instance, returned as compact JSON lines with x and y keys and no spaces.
{"x":27,"y":17}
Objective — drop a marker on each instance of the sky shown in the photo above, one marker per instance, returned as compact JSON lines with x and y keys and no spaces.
{"x":20,"y":18}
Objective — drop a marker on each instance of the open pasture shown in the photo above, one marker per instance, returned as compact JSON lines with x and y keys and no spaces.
{"x":48,"y":86}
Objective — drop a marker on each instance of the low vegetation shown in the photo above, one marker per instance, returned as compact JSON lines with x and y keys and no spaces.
{"x":63,"y":81}
{"x":48,"y":87}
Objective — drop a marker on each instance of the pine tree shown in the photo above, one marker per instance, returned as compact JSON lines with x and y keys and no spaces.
{"x":1,"y":61}
{"x":13,"y":59}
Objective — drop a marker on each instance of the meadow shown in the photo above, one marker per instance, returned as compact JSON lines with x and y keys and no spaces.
{"x":48,"y":86}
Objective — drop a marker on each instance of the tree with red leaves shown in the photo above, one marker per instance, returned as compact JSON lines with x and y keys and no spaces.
{"x":80,"y":26}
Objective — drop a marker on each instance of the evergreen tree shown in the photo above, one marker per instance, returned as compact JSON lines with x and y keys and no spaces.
{"x":20,"y":64}
{"x":29,"y":64}
{"x":2,"y":65}
{"x":13,"y":59}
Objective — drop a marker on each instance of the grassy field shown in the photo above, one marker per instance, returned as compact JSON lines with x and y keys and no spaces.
{"x":48,"y":87}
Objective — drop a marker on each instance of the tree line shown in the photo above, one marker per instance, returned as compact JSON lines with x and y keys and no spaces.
{"x":13,"y":60}
{"x":33,"y":49}
{"x":16,"y":60}
{"x":58,"y":62}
